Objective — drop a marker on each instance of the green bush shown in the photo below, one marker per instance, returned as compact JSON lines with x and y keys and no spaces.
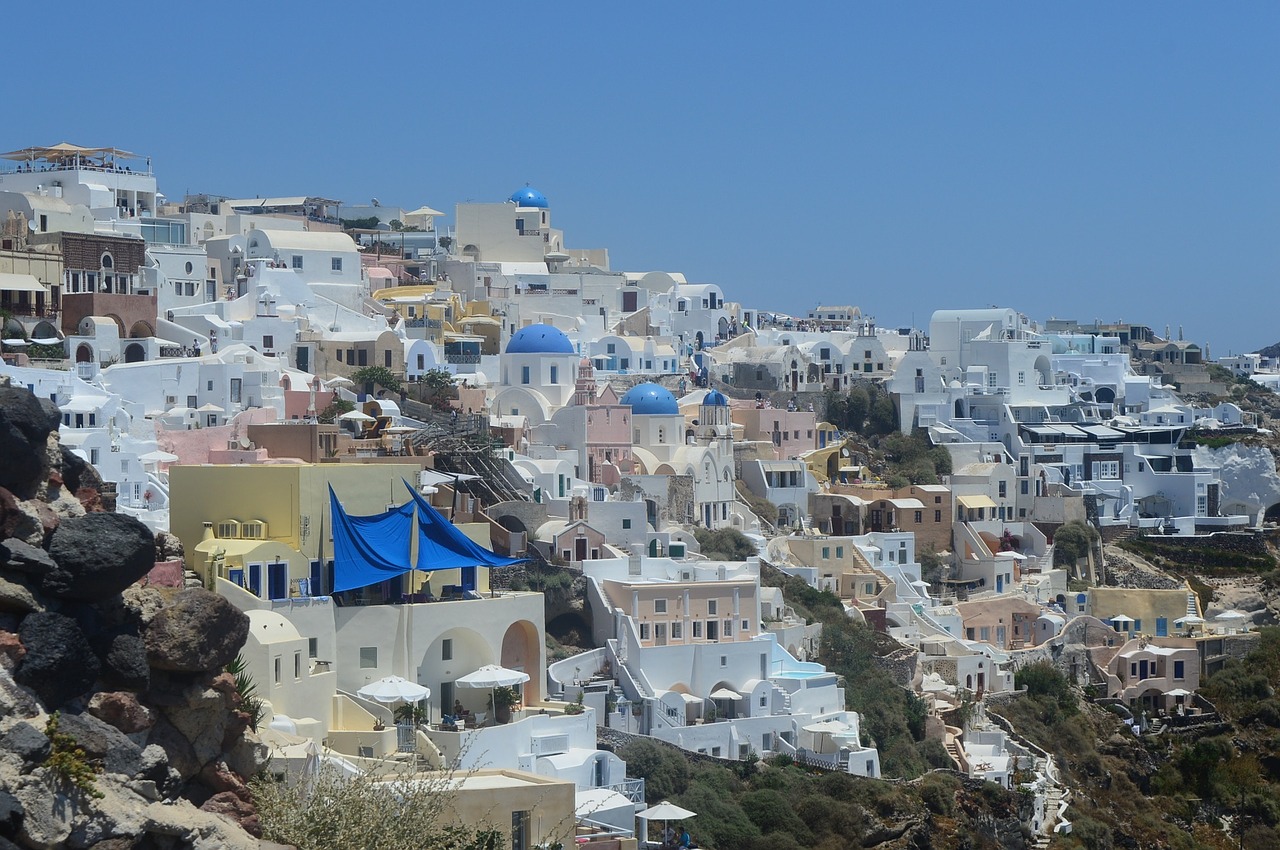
{"x":724,"y":544}
{"x":665,"y":772}
{"x":1072,"y":541}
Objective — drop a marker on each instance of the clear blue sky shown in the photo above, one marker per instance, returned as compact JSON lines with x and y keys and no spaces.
{"x":1074,"y":160}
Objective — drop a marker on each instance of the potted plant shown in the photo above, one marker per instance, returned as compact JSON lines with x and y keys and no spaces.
{"x":575,"y":707}
{"x":411,"y":713}
{"x":501,"y":701}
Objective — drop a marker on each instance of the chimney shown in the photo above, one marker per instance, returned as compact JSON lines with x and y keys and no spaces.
{"x":207,"y":534}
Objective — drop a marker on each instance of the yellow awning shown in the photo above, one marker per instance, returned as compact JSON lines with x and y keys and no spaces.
{"x":972,"y":503}
{"x":21,"y":283}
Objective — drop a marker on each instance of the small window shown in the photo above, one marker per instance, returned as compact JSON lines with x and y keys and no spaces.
{"x":839,"y":551}
{"x":626,"y":523}
{"x":368,"y":657}
{"x":644,"y":631}
{"x":659,"y":606}
{"x":297,"y":665}
{"x":677,"y":630}
{"x":336,"y":264}
{"x":746,"y":625}
{"x":313,"y":647}
{"x":446,"y":649}
{"x":724,"y":661}
{"x":697,"y":629}
{"x":277,"y":669}
{"x":711,"y":606}
{"x":524,"y":374}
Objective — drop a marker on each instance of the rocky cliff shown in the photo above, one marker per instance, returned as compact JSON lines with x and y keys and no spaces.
{"x":118,"y":727}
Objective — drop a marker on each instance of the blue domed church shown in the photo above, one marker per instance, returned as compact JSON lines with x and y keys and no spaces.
{"x":538,"y":374}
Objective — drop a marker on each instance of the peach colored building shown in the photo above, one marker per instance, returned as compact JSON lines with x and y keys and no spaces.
{"x":689,"y":612}
{"x":792,"y":432}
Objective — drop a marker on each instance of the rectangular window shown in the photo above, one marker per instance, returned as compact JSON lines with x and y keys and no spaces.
{"x":937,"y":516}
{"x":984,"y":633}
{"x":659,"y":606}
{"x":555,"y":374}
{"x":524,"y":374}
{"x":697,"y":629}
{"x":336,"y":264}
{"x":94,"y":456}
{"x":746,"y":625}
{"x":313,"y":647}
{"x":1022,"y":378}
{"x":277,"y":669}
{"x":209,"y":386}
{"x":235,"y":390}
{"x":711,"y":607}
{"x":728,"y":628}
{"x":626,"y":523}
{"x":610,"y":348}
{"x":297,"y":261}
{"x":1004,"y":492}
{"x":520,"y":830}
{"x":297,"y":665}
{"x":919,"y":517}
{"x":644,"y":631}
{"x":826,"y":552}
{"x":268,"y":341}
{"x":446,"y":649}
{"x":368,"y":657}
{"x":677,"y":630}
{"x":1179,"y":669}
{"x":724,"y":661}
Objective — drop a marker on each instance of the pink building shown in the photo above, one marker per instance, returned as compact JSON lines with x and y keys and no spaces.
{"x":792,"y":432}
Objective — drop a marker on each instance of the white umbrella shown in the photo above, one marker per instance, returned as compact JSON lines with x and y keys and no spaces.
{"x":356,"y":416}
{"x":1232,"y":615}
{"x":394,"y":689}
{"x":665,"y":812}
{"x":1120,"y":618}
{"x":46,"y":340}
{"x":209,"y":408}
{"x":338,"y":382}
{"x":1178,"y":692}
{"x":725,"y":693}
{"x":157,"y":456}
{"x":1189,"y":620}
{"x":492,"y":676}
{"x":16,"y":342}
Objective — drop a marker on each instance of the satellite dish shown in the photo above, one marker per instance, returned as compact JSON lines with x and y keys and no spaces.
{"x":31,"y":225}
{"x":375,"y":202}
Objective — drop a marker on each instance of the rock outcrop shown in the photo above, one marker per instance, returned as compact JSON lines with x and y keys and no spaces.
{"x":132,"y":674}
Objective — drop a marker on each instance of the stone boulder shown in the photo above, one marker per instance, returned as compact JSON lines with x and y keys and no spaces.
{"x":59,"y":664}
{"x":199,"y":631}
{"x":124,"y":663}
{"x":20,"y":520}
{"x":25,"y":425}
{"x":98,"y":555}
{"x":18,"y":597}
{"x":17,"y":556}
{"x":122,"y":710}
{"x":78,"y":474}
{"x":103,"y":742}
{"x":143,"y":603}
{"x":27,"y":742}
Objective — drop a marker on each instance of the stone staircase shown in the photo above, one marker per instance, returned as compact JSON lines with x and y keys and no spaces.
{"x":953,"y":750}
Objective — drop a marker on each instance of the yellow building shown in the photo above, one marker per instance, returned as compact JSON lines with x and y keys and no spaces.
{"x":267,"y":527}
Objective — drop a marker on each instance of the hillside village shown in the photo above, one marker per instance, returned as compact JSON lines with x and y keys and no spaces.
{"x":486,"y":504}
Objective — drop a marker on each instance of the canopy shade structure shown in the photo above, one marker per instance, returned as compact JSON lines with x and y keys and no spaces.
{"x":64,"y":151}
{"x":10,"y":282}
{"x":725,"y":693}
{"x":492,"y":676}
{"x":1120,"y":618}
{"x":356,"y":416}
{"x":1232,"y":615}
{"x":442,"y":545}
{"x":46,"y":340}
{"x":158,"y":456}
{"x":666,"y":811}
{"x":394,"y":689}
{"x":834,"y":727}
{"x":369,"y":549}
{"x":1178,"y":692}
{"x":1189,"y":620}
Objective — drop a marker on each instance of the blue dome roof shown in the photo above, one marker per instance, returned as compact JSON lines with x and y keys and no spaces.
{"x":529,"y":197}
{"x":540,"y":339}
{"x":715,"y":398}
{"x":651,"y":400}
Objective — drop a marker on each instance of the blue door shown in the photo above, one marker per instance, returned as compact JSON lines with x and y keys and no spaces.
{"x":1162,"y":627}
{"x":999,"y":583}
{"x":468,"y":578}
{"x":236,"y":577}
{"x":316,"y":587}
{"x":277,"y":581}
{"x":255,"y":579}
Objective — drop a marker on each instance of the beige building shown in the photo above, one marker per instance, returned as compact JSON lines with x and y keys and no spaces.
{"x":690,"y":612}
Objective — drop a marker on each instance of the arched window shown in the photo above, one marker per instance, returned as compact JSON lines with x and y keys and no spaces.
{"x":107,"y":261}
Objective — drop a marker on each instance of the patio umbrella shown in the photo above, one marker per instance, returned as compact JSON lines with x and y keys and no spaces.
{"x":394,"y":689}
{"x":666,"y":812}
{"x":492,"y":676}
{"x":1232,"y":615}
{"x":1119,"y":619}
{"x":209,"y":408}
{"x":1178,"y":692}
{"x":338,"y":382}
{"x":1189,"y":620}
{"x":46,"y":340}
{"x":725,"y":693}
{"x":356,"y":416}
{"x":828,"y":727}
{"x":158,"y":456}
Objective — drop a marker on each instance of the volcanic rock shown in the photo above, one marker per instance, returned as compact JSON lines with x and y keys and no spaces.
{"x":59,"y":664}
{"x":98,"y":555}
{"x":25,"y":424}
{"x":199,"y":631}
{"x":122,"y":710}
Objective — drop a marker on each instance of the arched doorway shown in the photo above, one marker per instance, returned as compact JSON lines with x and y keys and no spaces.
{"x":84,"y":353}
{"x":134,"y":353}
{"x":140,"y":330}
{"x":521,"y":650}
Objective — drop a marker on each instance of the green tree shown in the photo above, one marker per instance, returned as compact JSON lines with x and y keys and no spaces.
{"x":1072,"y":541}
{"x":883,"y":418}
{"x":378,"y":376}
{"x":724,"y":544}
{"x":665,"y":772}
{"x":336,"y":408}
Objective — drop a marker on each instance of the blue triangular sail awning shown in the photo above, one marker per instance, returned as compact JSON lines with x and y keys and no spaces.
{"x":442,"y":545}
{"x":369,"y":549}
